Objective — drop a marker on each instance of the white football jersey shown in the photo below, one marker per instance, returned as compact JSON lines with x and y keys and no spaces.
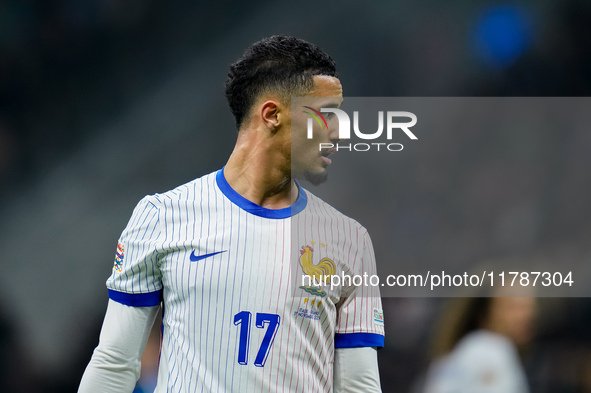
{"x":228,"y":271}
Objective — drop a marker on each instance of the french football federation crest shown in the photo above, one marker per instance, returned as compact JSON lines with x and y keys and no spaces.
{"x":320,"y":272}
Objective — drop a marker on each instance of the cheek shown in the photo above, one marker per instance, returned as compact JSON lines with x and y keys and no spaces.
{"x":300,"y":139}
{"x":300,"y":146}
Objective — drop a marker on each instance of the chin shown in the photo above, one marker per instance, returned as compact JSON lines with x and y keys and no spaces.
{"x":316,"y":178}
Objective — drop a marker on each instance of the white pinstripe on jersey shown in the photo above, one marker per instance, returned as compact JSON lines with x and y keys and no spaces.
{"x":235,"y":320}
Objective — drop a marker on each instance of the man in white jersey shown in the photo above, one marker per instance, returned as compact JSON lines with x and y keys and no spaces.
{"x":220,"y":253}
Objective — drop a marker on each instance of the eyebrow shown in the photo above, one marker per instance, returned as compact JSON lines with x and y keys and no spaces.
{"x":332,"y":105}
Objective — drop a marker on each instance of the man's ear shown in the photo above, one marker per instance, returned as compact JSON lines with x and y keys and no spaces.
{"x":270,"y":112}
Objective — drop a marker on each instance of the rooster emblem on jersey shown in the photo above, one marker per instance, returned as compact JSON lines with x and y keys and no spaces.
{"x":319,"y":273}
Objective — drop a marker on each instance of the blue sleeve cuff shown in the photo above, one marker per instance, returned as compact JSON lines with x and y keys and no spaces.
{"x":136,"y":299}
{"x":355,"y":340}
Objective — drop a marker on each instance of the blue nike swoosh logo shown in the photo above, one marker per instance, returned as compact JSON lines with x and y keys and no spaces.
{"x":195,"y":258}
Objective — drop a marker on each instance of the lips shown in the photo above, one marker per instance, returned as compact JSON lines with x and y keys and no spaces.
{"x":327,"y":153}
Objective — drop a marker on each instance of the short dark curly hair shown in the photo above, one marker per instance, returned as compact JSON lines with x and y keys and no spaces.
{"x":283,"y":64}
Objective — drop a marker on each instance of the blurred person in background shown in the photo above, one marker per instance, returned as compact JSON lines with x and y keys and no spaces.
{"x":477,"y":345}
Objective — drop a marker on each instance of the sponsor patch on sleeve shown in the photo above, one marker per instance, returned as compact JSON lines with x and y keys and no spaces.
{"x":118,"y":266}
{"x":378,"y":316}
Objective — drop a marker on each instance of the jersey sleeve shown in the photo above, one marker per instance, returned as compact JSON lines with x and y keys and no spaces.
{"x":360,"y":319}
{"x":136,"y":278}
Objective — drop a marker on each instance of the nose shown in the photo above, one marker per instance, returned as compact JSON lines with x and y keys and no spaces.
{"x":333,"y":132}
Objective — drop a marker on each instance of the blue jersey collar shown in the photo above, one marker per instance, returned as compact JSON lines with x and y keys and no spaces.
{"x":255,"y":209}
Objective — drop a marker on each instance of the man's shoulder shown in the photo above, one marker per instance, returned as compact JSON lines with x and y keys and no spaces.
{"x":191,"y":191}
{"x":319,"y":207}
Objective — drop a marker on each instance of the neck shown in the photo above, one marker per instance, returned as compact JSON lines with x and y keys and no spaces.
{"x":260,"y":172}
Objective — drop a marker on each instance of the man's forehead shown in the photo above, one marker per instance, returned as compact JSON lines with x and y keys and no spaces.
{"x":328,"y":89}
{"x":326,"y":86}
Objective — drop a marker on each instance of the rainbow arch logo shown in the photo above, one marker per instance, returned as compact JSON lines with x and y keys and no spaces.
{"x":315,"y":115}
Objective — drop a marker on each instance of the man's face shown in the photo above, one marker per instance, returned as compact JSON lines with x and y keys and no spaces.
{"x":307,"y":161}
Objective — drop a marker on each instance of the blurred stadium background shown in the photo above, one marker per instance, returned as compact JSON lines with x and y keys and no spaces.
{"x":103,"y":102}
